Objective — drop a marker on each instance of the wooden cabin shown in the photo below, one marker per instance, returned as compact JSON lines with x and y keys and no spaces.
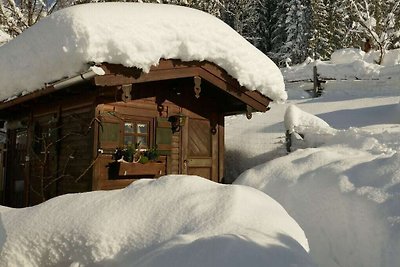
{"x":63,"y":138}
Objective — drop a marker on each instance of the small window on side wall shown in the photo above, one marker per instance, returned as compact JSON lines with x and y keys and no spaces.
{"x":136,"y":133}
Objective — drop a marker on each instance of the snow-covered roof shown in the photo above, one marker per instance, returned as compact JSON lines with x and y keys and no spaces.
{"x":134,"y":35}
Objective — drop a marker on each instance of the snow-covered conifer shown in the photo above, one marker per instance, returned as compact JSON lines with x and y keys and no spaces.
{"x":379,"y":22}
{"x":319,"y":45}
{"x":266,"y":24}
{"x":242,"y":16}
{"x":297,"y":27}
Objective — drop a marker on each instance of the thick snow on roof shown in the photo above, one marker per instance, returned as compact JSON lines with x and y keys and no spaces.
{"x":134,"y":35}
{"x":168,"y":222}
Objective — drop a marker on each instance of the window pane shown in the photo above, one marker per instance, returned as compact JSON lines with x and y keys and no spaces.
{"x":129,"y":140}
{"x":143,"y":141}
{"x":129,"y":127}
{"x":142,"y":128}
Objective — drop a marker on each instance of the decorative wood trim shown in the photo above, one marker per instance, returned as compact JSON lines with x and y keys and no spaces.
{"x":167,"y":70}
{"x":214,"y":157}
{"x":221,"y":147}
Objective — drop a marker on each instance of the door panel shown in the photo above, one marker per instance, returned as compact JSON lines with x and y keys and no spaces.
{"x":199,"y":138}
{"x":200,"y":149}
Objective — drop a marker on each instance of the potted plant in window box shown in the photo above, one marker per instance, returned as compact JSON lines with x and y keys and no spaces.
{"x":136,"y":162}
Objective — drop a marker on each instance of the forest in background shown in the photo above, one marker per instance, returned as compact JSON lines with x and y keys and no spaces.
{"x":288,"y":31}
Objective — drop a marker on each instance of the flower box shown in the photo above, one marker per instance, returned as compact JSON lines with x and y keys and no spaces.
{"x":129,"y":170}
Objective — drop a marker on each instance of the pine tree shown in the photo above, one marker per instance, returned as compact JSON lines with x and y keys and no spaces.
{"x":278,"y":33}
{"x":340,"y":24}
{"x":242,"y":16}
{"x":319,"y":33}
{"x":297,"y":28}
{"x":266,"y":24}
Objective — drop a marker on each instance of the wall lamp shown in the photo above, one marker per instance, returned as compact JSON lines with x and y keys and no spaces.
{"x":177,"y":121}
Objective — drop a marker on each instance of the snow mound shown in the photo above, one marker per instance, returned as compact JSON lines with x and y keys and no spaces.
{"x":350,"y":55}
{"x":344,"y":193}
{"x":347,"y":55}
{"x":296,"y":120}
{"x":392,"y":57}
{"x":348,"y":64}
{"x":172,"y":221}
{"x":134,"y":35}
{"x":306,"y":129}
{"x":4,"y":37}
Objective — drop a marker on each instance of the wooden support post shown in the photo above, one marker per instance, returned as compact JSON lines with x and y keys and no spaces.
{"x":317,"y":88}
{"x":288,"y":139}
{"x":315,"y":82}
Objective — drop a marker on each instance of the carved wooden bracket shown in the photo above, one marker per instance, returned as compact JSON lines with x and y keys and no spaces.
{"x":197,"y":86}
{"x":249,"y":111}
{"x":126,"y":92}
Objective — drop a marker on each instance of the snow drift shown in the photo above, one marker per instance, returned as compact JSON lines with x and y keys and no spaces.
{"x":172,"y":221}
{"x":348,"y":64}
{"x":344,"y":190}
{"x":134,"y":35}
{"x":4,"y":37}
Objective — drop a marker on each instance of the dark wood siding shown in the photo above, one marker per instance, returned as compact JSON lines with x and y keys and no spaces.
{"x":68,"y":136}
{"x":104,"y":177}
{"x":76,"y":150}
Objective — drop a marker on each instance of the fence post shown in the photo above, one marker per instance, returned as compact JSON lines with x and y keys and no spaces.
{"x":315,"y":81}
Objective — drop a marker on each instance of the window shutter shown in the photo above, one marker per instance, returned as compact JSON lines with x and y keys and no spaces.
{"x":110,"y":135}
{"x":164,"y":136}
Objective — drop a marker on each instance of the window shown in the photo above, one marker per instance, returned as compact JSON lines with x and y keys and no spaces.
{"x":121,"y":131}
{"x":136,"y":133}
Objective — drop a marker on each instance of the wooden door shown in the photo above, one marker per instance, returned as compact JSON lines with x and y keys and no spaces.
{"x":200,"y":148}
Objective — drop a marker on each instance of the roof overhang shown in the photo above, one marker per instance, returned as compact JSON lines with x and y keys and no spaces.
{"x":168,"y":69}
{"x":115,"y":75}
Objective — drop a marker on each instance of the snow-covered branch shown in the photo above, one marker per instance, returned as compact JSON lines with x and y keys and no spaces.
{"x":382,"y":31}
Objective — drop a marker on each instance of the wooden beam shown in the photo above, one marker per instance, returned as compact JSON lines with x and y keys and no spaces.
{"x":223,"y":75}
{"x":25,"y":98}
{"x":156,"y":75}
{"x":239,"y":94}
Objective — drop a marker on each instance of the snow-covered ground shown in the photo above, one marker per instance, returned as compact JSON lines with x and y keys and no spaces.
{"x":348,"y":64}
{"x":341,"y":183}
{"x":172,"y":221}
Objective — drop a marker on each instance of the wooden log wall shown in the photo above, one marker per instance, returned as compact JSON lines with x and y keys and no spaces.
{"x":68,"y":135}
{"x":76,"y":150}
{"x":143,"y":109}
